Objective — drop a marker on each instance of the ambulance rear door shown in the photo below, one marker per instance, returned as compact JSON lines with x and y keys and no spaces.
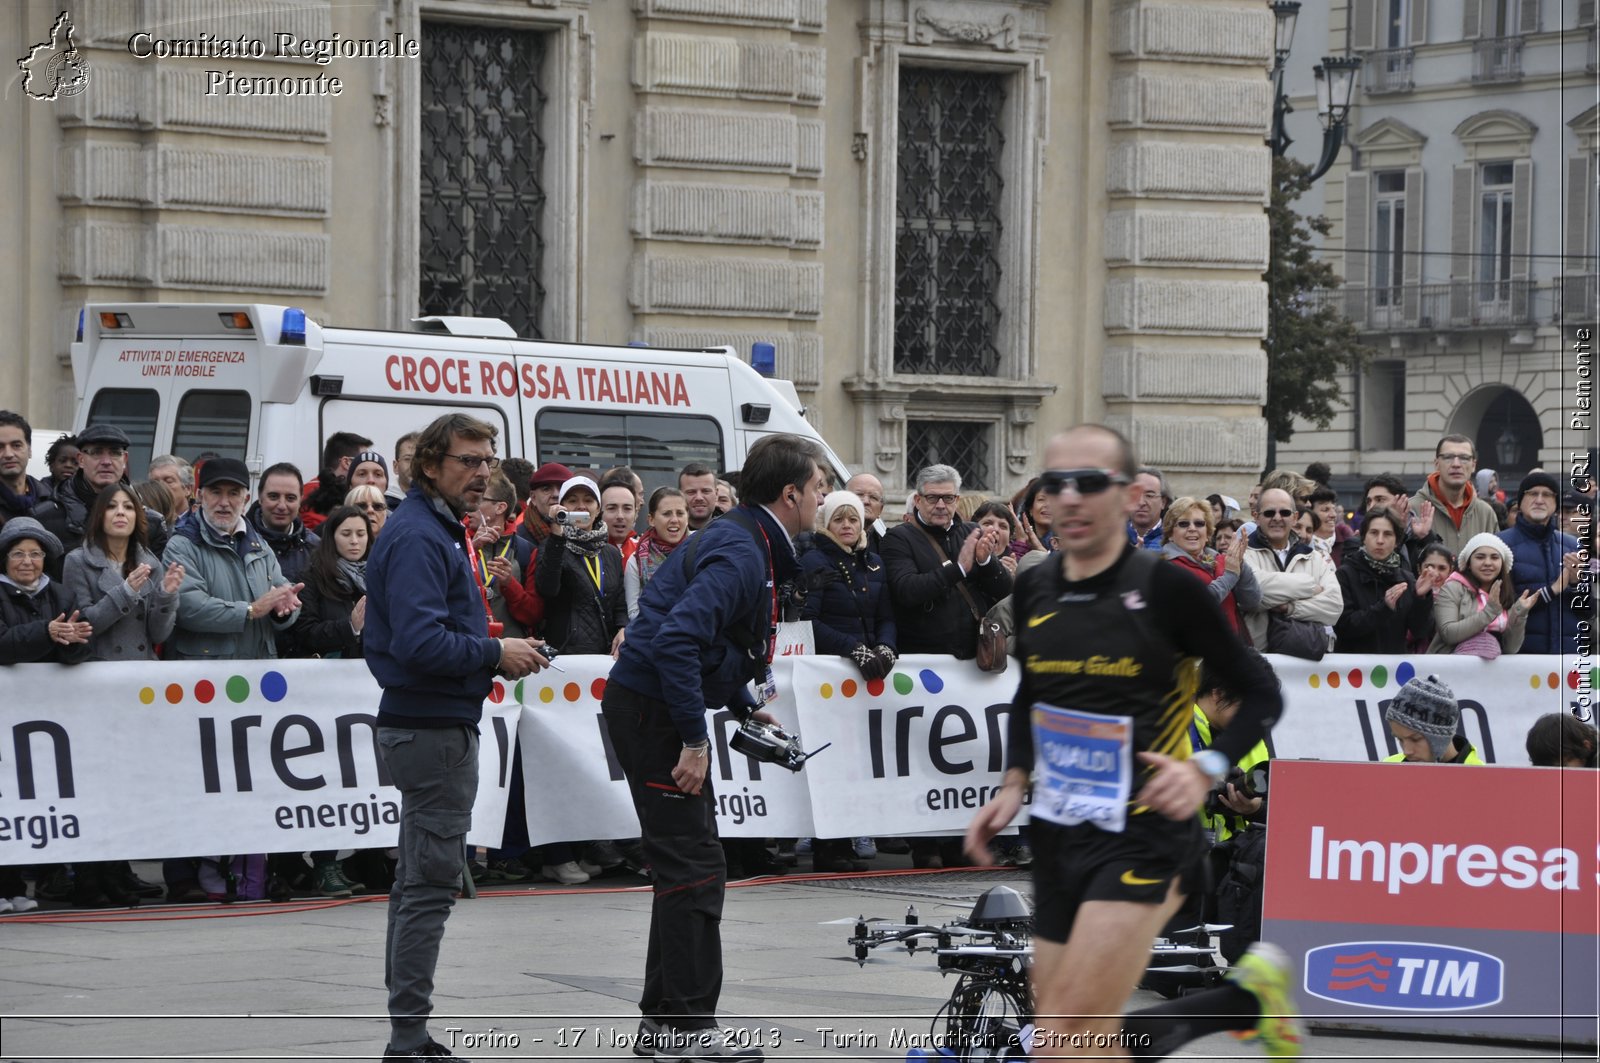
{"x":187,"y":379}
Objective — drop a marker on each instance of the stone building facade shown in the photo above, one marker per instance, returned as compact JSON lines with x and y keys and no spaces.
{"x":963,"y":224}
{"x":1465,"y":227}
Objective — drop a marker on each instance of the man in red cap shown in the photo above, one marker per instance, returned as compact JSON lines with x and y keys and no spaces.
{"x":543,"y":487}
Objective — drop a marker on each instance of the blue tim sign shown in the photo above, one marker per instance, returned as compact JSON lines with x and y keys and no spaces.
{"x":1404,"y":976}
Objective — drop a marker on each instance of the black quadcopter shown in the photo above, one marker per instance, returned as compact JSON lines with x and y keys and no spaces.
{"x":990,"y":952}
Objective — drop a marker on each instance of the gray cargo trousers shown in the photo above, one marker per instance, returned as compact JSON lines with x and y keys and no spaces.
{"x":436,"y":772}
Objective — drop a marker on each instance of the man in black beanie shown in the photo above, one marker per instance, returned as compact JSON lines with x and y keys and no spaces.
{"x":1424,"y":718}
{"x":1545,"y":560}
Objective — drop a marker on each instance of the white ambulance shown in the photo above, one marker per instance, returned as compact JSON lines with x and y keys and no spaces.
{"x":266,"y":384}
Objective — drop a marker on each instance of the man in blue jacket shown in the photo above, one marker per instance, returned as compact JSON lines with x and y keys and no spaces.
{"x":428,"y":646}
{"x":706,"y":628}
{"x":1545,"y":560}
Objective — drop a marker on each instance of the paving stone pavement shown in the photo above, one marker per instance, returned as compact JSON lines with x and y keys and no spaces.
{"x":535,"y":973}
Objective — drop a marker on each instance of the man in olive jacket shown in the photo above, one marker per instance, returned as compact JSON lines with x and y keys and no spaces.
{"x":234,"y":597}
{"x":931,"y":559}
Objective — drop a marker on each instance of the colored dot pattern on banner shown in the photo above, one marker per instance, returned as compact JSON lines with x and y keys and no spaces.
{"x":1404,"y":674}
{"x":497,"y":692}
{"x":1377,"y":676}
{"x":900,"y":681}
{"x":572,"y":692}
{"x":547,"y":695}
{"x":274,"y":687}
{"x":517,"y":691}
{"x":597,"y":689}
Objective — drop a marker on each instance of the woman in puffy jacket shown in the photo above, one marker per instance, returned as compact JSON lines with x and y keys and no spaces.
{"x":1386,"y":609}
{"x":847,"y":602}
{"x":113,"y":577}
{"x":39,"y":619}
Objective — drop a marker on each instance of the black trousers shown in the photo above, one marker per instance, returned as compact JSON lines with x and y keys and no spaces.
{"x":683,"y":961}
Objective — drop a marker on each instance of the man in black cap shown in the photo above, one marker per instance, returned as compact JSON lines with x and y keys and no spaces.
{"x":234,"y":596}
{"x":102,"y":461}
{"x":1545,"y":560}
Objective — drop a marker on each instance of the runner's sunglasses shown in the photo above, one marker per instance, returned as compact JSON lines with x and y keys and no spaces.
{"x":1083,"y":481}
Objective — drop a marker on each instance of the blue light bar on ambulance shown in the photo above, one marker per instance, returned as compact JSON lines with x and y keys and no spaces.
{"x":764,"y":358}
{"x":112,"y":320}
{"x":294,"y":326}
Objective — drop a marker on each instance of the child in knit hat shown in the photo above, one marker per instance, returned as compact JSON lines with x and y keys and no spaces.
{"x":1476,"y":611}
{"x":1424,"y":719}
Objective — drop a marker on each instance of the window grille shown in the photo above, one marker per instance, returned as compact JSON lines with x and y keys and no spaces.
{"x":482,"y":146}
{"x":948,"y":226}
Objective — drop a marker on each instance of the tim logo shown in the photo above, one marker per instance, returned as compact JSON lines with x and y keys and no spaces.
{"x":1404,"y":976}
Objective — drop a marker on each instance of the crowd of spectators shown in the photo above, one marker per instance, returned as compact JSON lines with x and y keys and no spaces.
{"x":206,"y":561}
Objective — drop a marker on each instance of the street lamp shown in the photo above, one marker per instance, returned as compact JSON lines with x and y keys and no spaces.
{"x":1336,"y":84}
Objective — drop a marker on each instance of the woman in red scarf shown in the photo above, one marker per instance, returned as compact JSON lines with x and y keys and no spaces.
{"x":669,"y":526}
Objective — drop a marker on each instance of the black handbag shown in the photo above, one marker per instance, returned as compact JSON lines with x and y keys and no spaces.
{"x":1292,"y":637}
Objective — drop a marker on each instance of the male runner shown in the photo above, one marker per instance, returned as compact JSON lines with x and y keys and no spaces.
{"x":1110,"y":642}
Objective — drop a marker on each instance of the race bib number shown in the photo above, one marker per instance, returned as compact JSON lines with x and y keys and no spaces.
{"x":1083,"y":767}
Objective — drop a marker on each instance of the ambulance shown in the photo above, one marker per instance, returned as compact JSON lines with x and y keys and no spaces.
{"x":267,"y":384}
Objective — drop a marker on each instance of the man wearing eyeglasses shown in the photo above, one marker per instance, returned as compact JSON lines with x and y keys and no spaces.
{"x":1297,"y":582}
{"x":427,"y":643}
{"x":1108,"y":640}
{"x":941,"y":570}
{"x":1450,"y":490}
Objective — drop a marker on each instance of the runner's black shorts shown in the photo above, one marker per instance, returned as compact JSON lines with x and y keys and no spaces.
{"x":1072,"y":865}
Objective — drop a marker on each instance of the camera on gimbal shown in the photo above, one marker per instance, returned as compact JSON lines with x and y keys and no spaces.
{"x":769,"y":743}
{"x":1247,"y":784}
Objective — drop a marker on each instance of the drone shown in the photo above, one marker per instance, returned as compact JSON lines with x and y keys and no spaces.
{"x":990,"y":1010}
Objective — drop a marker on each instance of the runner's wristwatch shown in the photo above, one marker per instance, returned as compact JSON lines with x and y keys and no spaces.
{"x":1212,"y":763}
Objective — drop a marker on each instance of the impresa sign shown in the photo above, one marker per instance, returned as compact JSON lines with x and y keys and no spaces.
{"x":1417,"y":889}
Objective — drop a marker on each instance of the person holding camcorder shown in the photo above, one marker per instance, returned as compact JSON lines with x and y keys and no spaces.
{"x":706,"y":629}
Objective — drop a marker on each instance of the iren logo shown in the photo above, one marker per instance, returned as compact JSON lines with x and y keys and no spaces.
{"x":1404,"y":976}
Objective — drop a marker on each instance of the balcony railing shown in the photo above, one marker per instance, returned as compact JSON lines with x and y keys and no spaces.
{"x":1578,"y":298}
{"x":1389,"y":70}
{"x":1497,"y":59}
{"x":1458,"y":304}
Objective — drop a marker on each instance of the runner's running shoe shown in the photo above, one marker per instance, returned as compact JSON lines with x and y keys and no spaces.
{"x":1264,"y":971}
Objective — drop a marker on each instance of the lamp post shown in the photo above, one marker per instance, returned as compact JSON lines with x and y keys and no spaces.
{"x":1336,"y":83}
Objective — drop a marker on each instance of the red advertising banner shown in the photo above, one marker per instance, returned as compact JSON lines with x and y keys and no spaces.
{"x":1435,"y":845}
{"x":1444,"y":899}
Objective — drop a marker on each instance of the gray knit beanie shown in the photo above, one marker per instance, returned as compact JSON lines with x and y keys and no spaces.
{"x":1428,"y":707}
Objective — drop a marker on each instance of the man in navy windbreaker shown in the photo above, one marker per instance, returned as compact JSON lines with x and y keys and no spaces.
{"x":705,"y":629}
{"x":427,"y":643}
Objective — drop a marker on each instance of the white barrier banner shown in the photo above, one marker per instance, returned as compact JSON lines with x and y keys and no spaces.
{"x":574,"y":787}
{"x":918,"y":752}
{"x":139,"y":760}
{"x":113,"y":761}
{"x":1333,"y":708}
